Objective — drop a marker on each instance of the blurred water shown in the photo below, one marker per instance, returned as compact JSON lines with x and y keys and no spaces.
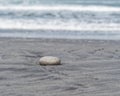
{"x":61,"y":2}
{"x":57,"y":17}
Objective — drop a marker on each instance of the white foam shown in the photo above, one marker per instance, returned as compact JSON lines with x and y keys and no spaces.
{"x":58,"y":8}
{"x":32,"y":25}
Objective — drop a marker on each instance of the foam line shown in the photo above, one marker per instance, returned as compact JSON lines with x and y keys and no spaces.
{"x":59,"y":8}
{"x":67,"y":27}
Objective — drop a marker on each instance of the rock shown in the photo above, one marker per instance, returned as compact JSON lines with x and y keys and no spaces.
{"x":49,"y":60}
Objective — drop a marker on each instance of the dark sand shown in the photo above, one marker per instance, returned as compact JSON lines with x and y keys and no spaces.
{"x":89,"y":68}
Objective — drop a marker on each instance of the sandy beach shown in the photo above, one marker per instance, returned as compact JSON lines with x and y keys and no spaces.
{"x":89,"y":67}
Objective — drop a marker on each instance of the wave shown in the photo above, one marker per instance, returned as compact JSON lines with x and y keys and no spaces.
{"x":61,"y":14}
{"x":77,"y":18}
{"x":63,"y":7}
{"x":60,"y":2}
{"x":60,"y":19}
{"x":73,"y":26}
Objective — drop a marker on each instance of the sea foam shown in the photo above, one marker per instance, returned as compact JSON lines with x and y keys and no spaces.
{"x":64,"y":7}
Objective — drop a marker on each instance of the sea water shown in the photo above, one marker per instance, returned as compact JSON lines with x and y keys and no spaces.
{"x":76,"y":19}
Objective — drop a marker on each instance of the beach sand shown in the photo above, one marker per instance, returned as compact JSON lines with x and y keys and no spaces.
{"x":89,"y":67}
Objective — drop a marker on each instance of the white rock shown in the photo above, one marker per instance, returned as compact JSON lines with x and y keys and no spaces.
{"x":49,"y":60}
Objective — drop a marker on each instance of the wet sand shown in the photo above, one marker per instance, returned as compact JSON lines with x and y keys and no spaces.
{"x":89,"y":67}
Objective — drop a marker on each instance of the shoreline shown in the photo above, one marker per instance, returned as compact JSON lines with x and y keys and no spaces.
{"x":89,"y":67}
{"x":60,"y":34}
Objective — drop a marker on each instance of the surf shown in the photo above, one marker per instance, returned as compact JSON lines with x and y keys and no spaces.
{"x":62,"y":7}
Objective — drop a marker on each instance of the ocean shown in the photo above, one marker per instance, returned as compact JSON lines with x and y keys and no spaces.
{"x":68,"y":19}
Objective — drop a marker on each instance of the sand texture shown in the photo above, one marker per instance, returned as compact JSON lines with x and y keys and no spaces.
{"x":89,"y":68}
